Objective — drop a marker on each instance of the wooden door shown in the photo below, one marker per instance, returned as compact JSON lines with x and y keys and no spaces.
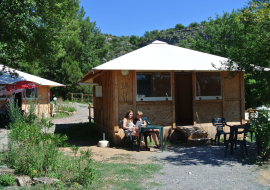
{"x":183,"y":99}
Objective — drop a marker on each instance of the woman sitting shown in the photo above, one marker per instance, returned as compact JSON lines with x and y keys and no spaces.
{"x":151,"y":132}
{"x":128,"y":126}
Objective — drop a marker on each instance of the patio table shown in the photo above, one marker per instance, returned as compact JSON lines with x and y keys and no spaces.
{"x":142,"y":129}
{"x":233,"y":138}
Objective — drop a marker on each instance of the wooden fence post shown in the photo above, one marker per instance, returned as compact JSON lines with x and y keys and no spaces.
{"x":89,"y":117}
{"x":82,"y":97}
{"x":71,"y":96}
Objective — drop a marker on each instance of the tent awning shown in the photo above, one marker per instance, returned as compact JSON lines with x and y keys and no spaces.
{"x":5,"y":78}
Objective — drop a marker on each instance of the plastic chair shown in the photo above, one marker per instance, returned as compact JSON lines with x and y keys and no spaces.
{"x":126,"y":136}
{"x":147,"y":133}
{"x":233,"y":140}
{"x":220,"y":123}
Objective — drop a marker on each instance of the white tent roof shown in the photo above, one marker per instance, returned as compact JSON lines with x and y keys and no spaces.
{"x":6,"y":78}
{"x":162,"y":56}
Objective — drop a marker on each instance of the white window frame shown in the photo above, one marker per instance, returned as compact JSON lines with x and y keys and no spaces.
{"x":208,"y":97}
{"x":139,"y":97}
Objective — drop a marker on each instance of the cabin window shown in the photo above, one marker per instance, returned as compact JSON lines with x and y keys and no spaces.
{"x":208,"y":85}
{"x":27,"y":93}
{"x":154,"y":86}
{"x":4,"y":97}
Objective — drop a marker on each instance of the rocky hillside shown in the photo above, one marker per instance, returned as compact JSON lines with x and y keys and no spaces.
{"x":119,"y":46}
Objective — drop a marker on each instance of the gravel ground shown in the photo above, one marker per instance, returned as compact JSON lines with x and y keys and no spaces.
{"x":206,"y":168}
{"x":80,"y":117}
{"x":3,"y":139}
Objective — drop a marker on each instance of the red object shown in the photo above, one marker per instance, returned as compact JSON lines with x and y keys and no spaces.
{"x":19,"y":85}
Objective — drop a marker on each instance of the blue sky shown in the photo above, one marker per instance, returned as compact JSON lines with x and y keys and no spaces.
{"x":134,"y":17}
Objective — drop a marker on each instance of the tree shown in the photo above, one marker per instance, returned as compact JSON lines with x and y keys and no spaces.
{"x":30,"y":30}
{"x":179,"y":27}
{"x":134,"y":40}
{"x":193,"y":25}
{"x":83,"y":49}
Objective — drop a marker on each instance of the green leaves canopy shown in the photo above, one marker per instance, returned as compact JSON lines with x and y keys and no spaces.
{"x":29,"y":29}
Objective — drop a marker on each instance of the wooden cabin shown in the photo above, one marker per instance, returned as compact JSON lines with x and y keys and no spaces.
{"x":42,"y":92}
{"x":172,"y":86}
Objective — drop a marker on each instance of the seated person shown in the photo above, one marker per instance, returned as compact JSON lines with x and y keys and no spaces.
{"x":128,"y":126}
{"x":151,"y":132}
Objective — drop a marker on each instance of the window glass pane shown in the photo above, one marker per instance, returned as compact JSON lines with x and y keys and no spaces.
{"x":27,"y":92}
{"x":153,"y":85}
{"x":208,"y":84}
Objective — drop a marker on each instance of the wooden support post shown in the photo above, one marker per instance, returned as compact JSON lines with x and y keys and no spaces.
{"x":71,"y":96}
{"x":134,"y":91}
{"x":115,"y":101}
{"x":173,"y":100}
{"x":81,"y":97}
{"x":242,"y":94}
{"x":223,"y":92}
{"x":194,"y":98}
{"x":90,"y":116}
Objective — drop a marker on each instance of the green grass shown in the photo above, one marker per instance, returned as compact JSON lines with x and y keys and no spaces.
{"x":123,"y":176}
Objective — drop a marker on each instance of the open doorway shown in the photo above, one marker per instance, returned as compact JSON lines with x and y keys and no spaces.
{"x":183,"y":99}
{"x":18,"y":98}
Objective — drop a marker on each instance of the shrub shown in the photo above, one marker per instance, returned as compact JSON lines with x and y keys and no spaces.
{"x":7,"y":180}
{"x":261,"y":126}
{"x":34,"y":152}
{"x":193,"y":25}
{"x":179,"y":27}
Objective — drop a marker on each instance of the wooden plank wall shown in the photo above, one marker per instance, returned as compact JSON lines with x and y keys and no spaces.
{"x":125,"y":93}
{"x":43,"y":109}
{"x":104,"y":109}
{"x":230,"y":107}
{"x":158,"y":113}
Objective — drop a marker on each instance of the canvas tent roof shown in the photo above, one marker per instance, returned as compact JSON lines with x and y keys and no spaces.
{"x":5,"y":78}
{"x":160,"y":56}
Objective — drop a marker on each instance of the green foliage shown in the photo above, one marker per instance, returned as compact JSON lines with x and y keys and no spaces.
{"x":34,"y":152}
{"x":261,"y":126}
{"x":30,"y":30}
{"x":179,"y":26}
{"x":66,"y":107}
{"x":7,"y":180}
{"x":193,"y":25}
{"x":134,"y":39}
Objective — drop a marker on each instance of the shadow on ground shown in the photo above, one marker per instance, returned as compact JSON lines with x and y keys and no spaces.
{"x":81,"y":134}
{"x":207,"y":155}
{"x":84,"y":134}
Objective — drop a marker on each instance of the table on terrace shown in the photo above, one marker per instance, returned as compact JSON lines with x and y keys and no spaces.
{"x":142,"y":129}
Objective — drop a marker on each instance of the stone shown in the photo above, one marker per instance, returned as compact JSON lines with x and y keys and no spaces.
{"x":45,"y":180}
{"x":6,"y":170}
{"x":199,"y":142}
{"x":23,"y":181}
